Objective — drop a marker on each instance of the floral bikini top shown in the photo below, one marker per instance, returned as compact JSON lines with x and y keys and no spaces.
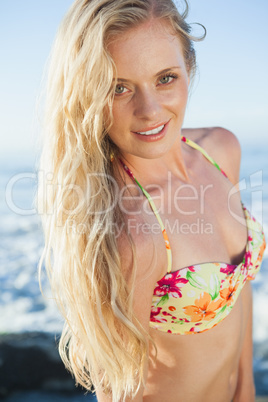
{"x":194,"y":299}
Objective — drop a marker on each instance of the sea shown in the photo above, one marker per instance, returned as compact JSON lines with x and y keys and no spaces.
{"x":22,"y":306}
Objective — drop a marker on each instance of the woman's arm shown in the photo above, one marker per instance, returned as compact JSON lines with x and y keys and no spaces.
{"x":245,"y":391}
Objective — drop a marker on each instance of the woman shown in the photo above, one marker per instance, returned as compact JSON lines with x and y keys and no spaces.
{"x":152,"y":249}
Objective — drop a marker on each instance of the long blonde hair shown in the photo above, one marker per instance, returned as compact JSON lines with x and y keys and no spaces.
{"x":77,"y":194}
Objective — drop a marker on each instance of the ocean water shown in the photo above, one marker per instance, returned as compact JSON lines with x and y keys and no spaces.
{"x":22,"y":306}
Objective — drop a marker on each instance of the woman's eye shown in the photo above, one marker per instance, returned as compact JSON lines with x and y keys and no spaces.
{"x":167,"y":79}
{"x":119,"y":89}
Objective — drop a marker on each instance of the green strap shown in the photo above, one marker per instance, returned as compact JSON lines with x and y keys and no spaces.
{"x":196,"y":146}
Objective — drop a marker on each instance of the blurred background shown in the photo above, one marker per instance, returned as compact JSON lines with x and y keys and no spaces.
{"x":230,"y":90}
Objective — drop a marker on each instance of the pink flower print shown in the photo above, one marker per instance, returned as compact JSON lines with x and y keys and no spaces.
{"x":250,"y":238}
{"x":155,"y":311}
{"x":194,"y":268}
{"x":179,"y":320}
{"x":229,"y":269}
{"x":166,"y":313}
{"x":248,"y":259}
{"x":127,"y":169}
{"x":170,"y":284}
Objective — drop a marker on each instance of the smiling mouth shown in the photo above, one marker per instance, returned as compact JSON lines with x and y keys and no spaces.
{"x":152,"y":132}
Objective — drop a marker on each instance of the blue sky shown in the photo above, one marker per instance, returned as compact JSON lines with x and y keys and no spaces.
{"x":230,"y":89}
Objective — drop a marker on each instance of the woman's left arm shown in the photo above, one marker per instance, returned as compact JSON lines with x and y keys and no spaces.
{"x":245,"y":390}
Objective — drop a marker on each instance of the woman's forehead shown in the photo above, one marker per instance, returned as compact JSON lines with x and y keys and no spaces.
{"x":142,"y":47}
{"x":151,"y":27}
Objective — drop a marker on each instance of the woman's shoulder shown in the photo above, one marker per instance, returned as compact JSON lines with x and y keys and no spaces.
{"x":222,"y":145}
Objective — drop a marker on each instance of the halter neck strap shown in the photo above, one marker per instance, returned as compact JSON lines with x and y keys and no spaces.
{"x":151,"y":202}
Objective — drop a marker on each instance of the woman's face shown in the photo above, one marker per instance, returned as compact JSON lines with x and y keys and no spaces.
{"x":151,"y":92}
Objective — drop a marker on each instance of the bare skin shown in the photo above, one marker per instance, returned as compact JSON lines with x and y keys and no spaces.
{"x":214,"y":365}
{"x":204,"y":367}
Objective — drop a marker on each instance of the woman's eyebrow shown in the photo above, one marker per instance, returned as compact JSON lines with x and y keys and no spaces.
{"x":166,"y":70}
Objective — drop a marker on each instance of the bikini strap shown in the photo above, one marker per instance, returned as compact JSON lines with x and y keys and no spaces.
{"x":196,"y":146}
{"x":151,"y":202}
{"x":154,"y":209}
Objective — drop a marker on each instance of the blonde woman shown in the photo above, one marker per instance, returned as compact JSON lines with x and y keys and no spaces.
{"x":147,"y":245}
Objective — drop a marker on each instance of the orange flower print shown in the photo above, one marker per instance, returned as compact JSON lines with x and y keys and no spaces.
{"x":229,"y":293}
{"x":172,"y":308}
{"x":262,"y":248}
{"x":166,"y":239}
{"x":204,"y":308}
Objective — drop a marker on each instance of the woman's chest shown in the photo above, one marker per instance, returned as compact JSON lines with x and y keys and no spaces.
{"x":204,"y":222}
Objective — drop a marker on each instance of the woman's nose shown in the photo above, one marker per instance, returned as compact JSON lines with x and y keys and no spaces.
{"x":147,"y":105}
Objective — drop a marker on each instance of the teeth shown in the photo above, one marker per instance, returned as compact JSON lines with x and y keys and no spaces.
{"x":155,"y":131}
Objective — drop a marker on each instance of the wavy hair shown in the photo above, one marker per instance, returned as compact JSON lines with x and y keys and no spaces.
{"x":77,"y":194}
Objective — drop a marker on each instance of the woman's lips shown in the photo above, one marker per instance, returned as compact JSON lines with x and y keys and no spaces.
{"x":152,"y":137}
{"x":151,"y":128}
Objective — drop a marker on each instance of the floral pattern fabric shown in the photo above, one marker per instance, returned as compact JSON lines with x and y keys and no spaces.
{"x":195,"y":299}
